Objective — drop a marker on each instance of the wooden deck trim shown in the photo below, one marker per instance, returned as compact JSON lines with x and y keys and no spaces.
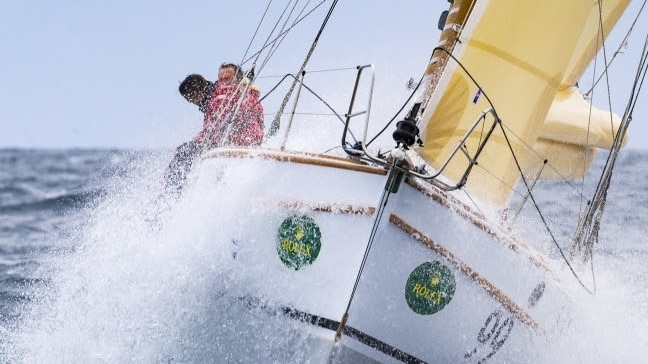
{"x":296,"y":157}
{"x":490,"y":288}
{"x":333,"y":208}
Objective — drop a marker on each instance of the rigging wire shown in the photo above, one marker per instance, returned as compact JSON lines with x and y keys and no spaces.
{"x":589,"y":116}
{"x":618,"y":51}
{"x":283,"y":33}
{"x":589,"y":124}
{"x":562,"y":178}
{"x":275,"y":47}
{"x":590,"y":256}
{"x":516,"y":192}
{"x":275,"y":123}
{"x":314,"y":94}
{"x":274,"y":42}
{"x":607,"y":75}
{"x":392,"y":181}
{"x":257,"y":30}
{"x":315,"y":71}
{"x":537,"y":207}
{"x":408,"y":99}
{"x":588,"y":226}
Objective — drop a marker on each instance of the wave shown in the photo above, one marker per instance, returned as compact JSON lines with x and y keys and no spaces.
{"x":74,"y":200}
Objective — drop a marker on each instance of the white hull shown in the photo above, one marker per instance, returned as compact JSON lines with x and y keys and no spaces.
{"x":471,"y":299}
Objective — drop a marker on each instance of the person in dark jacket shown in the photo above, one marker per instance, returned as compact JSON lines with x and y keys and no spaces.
{"x":197,"y":90}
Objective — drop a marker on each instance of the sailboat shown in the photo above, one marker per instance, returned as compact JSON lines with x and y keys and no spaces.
{"x":412,"y":253}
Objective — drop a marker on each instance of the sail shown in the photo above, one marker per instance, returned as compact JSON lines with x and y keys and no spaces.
{"x":572,"y":133}
{"x":574,"y":129}
{"x":590,"y":41}
{"x":520,"y":54}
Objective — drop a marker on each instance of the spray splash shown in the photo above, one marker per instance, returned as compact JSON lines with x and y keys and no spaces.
{"x":130,"y":290}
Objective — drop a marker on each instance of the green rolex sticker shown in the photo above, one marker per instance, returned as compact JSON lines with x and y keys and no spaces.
{"x":298,"y":241}
{"x":429,"y":288}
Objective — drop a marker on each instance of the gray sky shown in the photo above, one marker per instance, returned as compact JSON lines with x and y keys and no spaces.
{"x":105,"y":73}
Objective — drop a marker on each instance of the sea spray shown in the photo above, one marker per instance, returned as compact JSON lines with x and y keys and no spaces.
{"x":163,"y":289}
{"x":608,"y":326}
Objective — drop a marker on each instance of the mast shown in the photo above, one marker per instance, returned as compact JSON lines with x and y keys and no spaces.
{"x":456,"y":18}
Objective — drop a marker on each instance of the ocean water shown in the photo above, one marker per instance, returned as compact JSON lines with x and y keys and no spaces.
{"x":83,"y":278}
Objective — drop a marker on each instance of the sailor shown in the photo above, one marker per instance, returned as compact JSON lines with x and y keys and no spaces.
{"x":220,"y":127}
{"x":197,"y":90}
{"x":217,"y":101}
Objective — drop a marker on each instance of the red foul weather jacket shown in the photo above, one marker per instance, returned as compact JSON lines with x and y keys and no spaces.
{"x":220,"y":129}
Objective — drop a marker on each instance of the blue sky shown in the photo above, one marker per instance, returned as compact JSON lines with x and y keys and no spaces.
{"x":105,"y":73}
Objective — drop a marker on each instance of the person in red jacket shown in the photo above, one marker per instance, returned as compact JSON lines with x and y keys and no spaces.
{"x":224,"y":123}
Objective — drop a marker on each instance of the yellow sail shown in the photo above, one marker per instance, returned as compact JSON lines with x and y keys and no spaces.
{"x":590,"y":41}
{"x":573,"y":128}
{"x":570,"y":136}
{"x":519,"y":53}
